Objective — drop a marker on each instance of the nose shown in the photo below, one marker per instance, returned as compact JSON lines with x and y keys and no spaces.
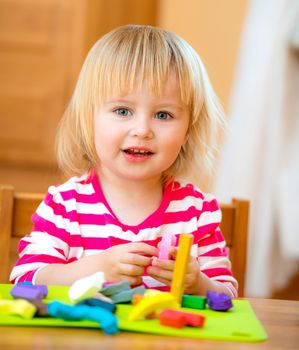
{"x":142,"y":127}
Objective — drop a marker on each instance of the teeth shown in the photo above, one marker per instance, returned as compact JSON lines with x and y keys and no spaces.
{"x":138,"y":151}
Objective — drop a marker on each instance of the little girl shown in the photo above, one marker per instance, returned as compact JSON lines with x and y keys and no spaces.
{"x":142,"y":120}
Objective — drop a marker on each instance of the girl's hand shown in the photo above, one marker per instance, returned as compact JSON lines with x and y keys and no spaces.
{"x":162,"y":270}
{"x":127,"y":261}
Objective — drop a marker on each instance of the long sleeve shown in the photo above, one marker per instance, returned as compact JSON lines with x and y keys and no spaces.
{"x":47,"y":243}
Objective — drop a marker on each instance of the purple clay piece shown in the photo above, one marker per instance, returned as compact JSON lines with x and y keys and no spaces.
{"x":23,"y":292}
{"x":42,"y":288}
{"x":220,"y":308}
{"x":41,"y":308}
{"x":218,"y":297}
{"x":219,"y":301}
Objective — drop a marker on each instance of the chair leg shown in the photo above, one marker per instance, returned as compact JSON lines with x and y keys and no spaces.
{"x":240,"y":233}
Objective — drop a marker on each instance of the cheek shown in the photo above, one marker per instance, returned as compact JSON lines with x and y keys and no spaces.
{"x":173,"y":147}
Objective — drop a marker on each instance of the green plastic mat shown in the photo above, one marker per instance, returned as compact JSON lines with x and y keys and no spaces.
{"x":238,"y":324}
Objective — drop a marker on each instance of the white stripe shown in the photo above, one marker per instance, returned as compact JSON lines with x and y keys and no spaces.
{"x":232,"y":289}
{"x":43,"y":242}
{"x":209,"y":197}
{"x":76,"y":252}
{"x":73,"y":184}
{"x":32,"y":249}
{"x":21,"y":269}
{"x":111,"y":230}
{"x":58,"y":220}
{"x":215,"y":262}
{"x":194,"y":250}
{"x":186,"y":203}
{"x":225,"y":278}
{"x":209,"y":217}
{"x":207,"y":248}
{"x":85,"y":208}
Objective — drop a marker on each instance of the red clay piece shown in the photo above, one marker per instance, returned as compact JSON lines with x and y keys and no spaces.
{"x":178,"y":318}
{"x":171,"y":318}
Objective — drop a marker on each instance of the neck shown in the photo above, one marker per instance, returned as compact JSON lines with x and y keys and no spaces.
{"x":129,"y":186}
{"x":132,"y":201}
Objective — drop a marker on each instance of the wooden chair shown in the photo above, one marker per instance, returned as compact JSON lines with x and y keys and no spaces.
{"x":234,"y":226}
{"x":16,"y":210}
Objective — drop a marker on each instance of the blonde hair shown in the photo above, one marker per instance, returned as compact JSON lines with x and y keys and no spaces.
{"x":119,"y":63}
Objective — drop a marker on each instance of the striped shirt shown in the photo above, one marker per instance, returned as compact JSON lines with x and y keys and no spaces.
{"x":75,"y":220}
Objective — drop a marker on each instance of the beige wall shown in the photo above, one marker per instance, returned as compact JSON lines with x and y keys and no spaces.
{"x":213,"y":28}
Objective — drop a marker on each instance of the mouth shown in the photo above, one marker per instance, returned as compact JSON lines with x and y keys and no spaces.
{"x":138,"y":151}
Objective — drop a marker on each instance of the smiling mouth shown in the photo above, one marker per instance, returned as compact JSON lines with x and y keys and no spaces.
{"x":138,"y":152}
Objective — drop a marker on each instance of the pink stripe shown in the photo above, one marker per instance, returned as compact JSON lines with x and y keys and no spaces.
{"x":216,"y":252}
{"x":94,"y":219}
{"x":207,"y":229}
{"x":217,"y":271}
{"x":41,"y":224}
{"x":43,"y":258}
{"x":104,"y":219}
{"x":212,"y":238}
{"x":94,"y":243}
{"x":179,"y":193}
{"x":26,"y":277}
{"x":84,"y":198}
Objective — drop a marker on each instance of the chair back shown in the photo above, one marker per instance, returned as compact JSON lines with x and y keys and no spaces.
{"x":16,"y":210}
{"x":234,"y":226}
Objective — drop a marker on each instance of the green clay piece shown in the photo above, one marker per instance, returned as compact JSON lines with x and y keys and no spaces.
{"x":194,"y":302}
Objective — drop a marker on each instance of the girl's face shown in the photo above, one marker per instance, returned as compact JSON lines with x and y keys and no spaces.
{"x":139,"y":136}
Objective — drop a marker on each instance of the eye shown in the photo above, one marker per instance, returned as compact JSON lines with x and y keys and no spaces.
{"x":163,"y":115}
{"x":123,"y":112}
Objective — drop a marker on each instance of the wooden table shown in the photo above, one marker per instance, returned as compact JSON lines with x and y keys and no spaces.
{"x":280,"y":319}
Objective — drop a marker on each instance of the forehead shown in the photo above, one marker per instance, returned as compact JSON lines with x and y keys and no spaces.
{"x":167,"y":89}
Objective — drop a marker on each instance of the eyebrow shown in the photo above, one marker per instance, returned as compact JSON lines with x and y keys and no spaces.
{"x":164,"y":104}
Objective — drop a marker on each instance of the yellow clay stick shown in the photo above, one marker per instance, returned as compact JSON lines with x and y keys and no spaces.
{"x":180,"y":266}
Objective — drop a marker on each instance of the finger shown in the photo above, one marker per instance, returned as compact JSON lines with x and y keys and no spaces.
{"x":130,"y":270}
{"x":173,"y":251}
{"x":143,"y":248}
{"x":136,"y":259}
{"x":133,"y":280}
{"x":163,"y":264}
{"x":161,"y":279}
{"x":159,"y":273}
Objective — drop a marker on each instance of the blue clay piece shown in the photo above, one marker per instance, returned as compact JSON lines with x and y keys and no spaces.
{"x":127,"y":295}
{"x":98,"y":303}
{"x":106,"y":319}
{"x":114,"y":288}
